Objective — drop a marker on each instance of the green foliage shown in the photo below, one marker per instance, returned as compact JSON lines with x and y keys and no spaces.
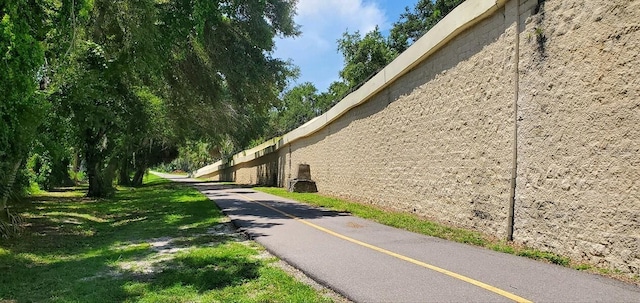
{"x":336,"y":91}
{"x":133,"y":79}
{"x":364,"y":56}
{"x":41,"y":169}
{"x":78,"y":176}
{"x":96,"y":103}
{"x":222,"y":77}
{"x":78,"y":249}
{"x":396,"y":219}
{"x":298,"y":106}
{"x":583,"y":267}
{"x":21,"y":107}
{"x":503,"y":247}
{"x":541,"y":255}
{"x":413,"y":24}
{"x":193,"y":155}
{"x":51,"y":154}
{"x":48,"y":172}
{"x":148,"y":140}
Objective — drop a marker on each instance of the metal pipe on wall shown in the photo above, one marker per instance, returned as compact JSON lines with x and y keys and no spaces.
{"x":514,"y":170}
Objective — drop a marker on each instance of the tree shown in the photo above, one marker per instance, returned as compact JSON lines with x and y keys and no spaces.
{"x":22,"y":107}
{"x":413,"y":24}
{"x":148,"y":140}
{"x":364,"y":56}
{"x":223,"y":76}
{"x":207,"y":62}
{"x":30,"y":31}
{"x":51,"y":153}
{"x":130,"y":80}
{"x":298,"y":106}
{"x":336,"y":91}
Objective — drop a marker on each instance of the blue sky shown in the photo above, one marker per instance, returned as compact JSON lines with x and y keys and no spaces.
{"x":322,"y":23}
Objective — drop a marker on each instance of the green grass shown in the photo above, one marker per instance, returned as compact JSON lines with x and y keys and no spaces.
{"x":416,"y":224}
{"x":420,"y":225}
{"x":396,"y":219}
{"x":77,"y":249}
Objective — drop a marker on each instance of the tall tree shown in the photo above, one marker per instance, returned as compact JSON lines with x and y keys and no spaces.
{"x":335,"y":92}
{"x":148,"y":140}
{"x":21,"y":108}
{"x":207,"y":61}
{"x":413,"y":24}
{"x":93,"y":100}
{"x":364,"y":55}
{"x":223,"y":75}
{"x":299,"y":105}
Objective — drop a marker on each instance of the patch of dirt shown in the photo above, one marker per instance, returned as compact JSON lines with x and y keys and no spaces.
{"x":166,"y":248}
{"x":354,"y":225}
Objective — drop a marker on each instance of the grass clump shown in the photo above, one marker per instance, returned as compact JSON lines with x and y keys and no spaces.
{"x":150,"y":244}
{"x":541,"y":255}
{"x":583,"y":267}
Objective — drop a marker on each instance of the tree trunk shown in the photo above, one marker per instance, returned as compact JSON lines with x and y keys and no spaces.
{"x":100,"y":178}
{"x":137,"y":178}
{"x":76,"y":167}
{"x":124,"y":178}
{"x":6,"y":183}
{"x":7,"y":224}
{"x":98,"y":186}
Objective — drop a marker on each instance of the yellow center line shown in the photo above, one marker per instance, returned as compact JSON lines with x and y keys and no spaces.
{"x":399,"y":256}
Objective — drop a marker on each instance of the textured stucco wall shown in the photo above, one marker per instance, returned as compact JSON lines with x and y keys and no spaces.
{"x":579,"y":146}
{"x":438,"y":141}
{"x":261,"y":171}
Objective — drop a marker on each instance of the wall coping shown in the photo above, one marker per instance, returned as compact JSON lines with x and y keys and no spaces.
{"x":466,"y":15}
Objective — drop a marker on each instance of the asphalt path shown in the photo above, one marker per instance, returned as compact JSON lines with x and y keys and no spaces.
{"x":369,"y":262}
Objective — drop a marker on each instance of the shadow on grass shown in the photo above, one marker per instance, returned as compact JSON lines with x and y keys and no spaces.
{"x":27,"y":278}
{"x":207,"y":272}
{"x":72,"y":245}
{"x":68,"y":189}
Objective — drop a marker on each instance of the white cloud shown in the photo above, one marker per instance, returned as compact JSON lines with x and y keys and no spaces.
{"x":331,"y":15}
{"x":322,"y":23}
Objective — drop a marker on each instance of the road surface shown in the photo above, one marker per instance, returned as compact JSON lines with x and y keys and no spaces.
{"x":369,"y":262}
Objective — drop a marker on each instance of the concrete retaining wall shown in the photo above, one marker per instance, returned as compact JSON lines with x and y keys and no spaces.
{"x":433,"y":133}
{"x":578,"y":187}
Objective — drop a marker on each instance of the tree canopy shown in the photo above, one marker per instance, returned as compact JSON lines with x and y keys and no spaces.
{"x":364,"y":55}
{"x":416,"y":22}
{"x":22,"y":106}
{"x":116,"y":86}
{"x":131,"y":80}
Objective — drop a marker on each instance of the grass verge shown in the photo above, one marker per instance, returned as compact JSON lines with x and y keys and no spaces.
{"x":420,"y":225}
{"x":163,"y":242}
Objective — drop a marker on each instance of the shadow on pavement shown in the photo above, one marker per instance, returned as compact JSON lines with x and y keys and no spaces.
{"x":259,"y":213}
